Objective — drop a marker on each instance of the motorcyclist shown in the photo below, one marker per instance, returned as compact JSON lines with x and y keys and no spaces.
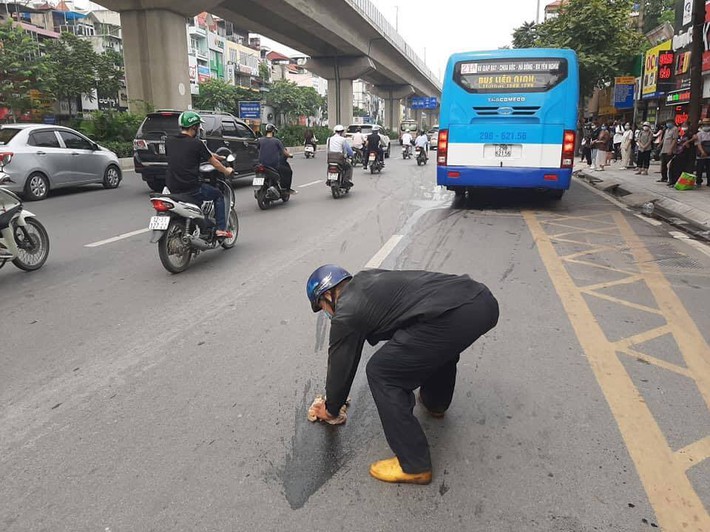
{"x":422,"y":142}
{"x":358,"y":140}
{"x":339,"y":152}
{"x":185,"y":152}
{"x":273,"y":154}
{"x":375,"y":143}
{"x":407,"y":139}
{"x":310,"y":139}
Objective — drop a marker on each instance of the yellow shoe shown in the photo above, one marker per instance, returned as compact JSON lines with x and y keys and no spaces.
{"x":390,"y":471}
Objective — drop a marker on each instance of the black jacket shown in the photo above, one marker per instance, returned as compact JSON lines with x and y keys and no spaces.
{"x":377,"y":303}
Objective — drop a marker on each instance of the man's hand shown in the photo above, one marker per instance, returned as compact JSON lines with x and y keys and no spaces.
{"x":321,"y":413}
{"x":228,"y":171}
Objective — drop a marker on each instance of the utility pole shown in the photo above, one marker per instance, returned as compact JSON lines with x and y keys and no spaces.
{"x":537,"y":13}
{"x":696,"y":65}
{"x":396,"y":19}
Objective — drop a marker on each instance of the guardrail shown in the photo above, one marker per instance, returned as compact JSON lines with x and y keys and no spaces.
{"x":368,"y":10}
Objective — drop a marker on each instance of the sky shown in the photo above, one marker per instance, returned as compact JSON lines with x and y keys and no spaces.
{"x":438,"y":28}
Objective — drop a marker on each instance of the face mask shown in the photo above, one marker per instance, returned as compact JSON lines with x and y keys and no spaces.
{"x":670,"y":124}
{"x":706,"y":128}
{"x":603,"y":128}
{"x":646,"y":128}
{"x":627,"y":128}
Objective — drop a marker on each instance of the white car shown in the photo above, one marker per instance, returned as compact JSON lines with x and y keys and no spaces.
{"x":366,"y":129}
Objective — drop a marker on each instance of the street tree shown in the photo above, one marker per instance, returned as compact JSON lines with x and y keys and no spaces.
{"x":215,"y":94}
{"x":21,"y":70}
{"x":656,"y":12}
{"x":525,"y":35}
{"x":292,"y":100}
{"x":109,"y":74}
{"x":72,"y":68}
{"x":601,"y":34}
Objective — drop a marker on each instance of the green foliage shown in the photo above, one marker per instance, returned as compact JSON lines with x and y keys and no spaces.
{"x":599,"y":31}
{"x":656,"y":12}
{"x":21,"y":70}
{"x":103,"y":126}
{"x":72,"y":67}
{"x":525,"y":35}
{"x":218,"y":95}
{"x":293,"y":101}
{"x":295,"y":135}
{"x":109,"y":73}
{"x":121,"y":148}
{"x":359,"y":111}
{"x":264,"y":71}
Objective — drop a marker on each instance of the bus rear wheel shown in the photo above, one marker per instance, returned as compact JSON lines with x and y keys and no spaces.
{"x":555,"y":194}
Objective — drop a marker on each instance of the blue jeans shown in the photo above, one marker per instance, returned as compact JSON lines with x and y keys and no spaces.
{"x":210,"y":193}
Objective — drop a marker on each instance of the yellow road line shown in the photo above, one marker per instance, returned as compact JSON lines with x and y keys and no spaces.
{"x":691,"y":342}
{"x":608,"y":284}
{"x":677,"y":505}
{"x":675,"y":368}
{"x":693,"y":454}
{"x":619,"y":301}
{"x":600,"y":266}
{"x":642,"y":337}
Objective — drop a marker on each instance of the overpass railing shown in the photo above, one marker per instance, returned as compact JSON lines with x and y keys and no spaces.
{"x":368,"y":10}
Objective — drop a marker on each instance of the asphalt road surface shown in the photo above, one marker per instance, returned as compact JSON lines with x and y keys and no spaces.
{"x":132,"y":399}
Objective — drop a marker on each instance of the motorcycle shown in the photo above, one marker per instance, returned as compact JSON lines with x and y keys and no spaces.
{"x":23,"y":239}
{"x":406,"y":151}
{"x":358,"y":157}
{"x":374,"y":163}
{"x":184,"y":229}
{"x":267,"y":187}
{"x":336,"y":180}
{"x":421,"y":156}
{"x":309,"y":150}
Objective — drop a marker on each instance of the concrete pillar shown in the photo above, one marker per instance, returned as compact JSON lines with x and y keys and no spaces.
{"x":419,"y":117}
{"x":340,"y":71}
{"x":155,"y":51}
{"x":392,"y":94}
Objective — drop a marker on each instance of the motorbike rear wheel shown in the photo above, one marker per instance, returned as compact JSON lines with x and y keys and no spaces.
{"x":233,"y":226}
{"x":261,"y":200}
{"x":335,"y":191}
{"x":174,"y":253}
{"x":33,"y":258}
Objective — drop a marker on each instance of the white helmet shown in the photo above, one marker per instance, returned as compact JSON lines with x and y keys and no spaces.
{"x":376,"y":128}
{"x":339,"y":128}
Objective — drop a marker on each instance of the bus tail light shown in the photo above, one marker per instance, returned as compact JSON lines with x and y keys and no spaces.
{"x":442,"y":147}
{"x":568,"y":149}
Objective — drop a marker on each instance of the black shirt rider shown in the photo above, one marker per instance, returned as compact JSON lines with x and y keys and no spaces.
{"x":185,"y":154}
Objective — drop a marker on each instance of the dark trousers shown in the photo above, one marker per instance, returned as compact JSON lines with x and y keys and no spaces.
{"x":702,"y":166}
{"x":683,"y":162}
{"x":286,"y":174}
{"x":665,"y":159}
{"x":644,"y":159}
{"x":587,"y":154}
{"x":424,"y":355}
{"x":210,"y":193}
{"x":380,"y":155}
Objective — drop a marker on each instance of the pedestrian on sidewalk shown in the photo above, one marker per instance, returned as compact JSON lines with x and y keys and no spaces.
{"x":427,"y":320}
{"x":596,"y":130}
{"x":657,"y":141}
{"x":645,"y":143}
{"x":610,"y":144}
{"x":602,"y":146}
{"x":668,"y":148}
{"x":702,"y":144}
{"x":618,"y":139}
{"x":587,"y":146}
{"x":683,"y":159}
{"x":627,"y":147}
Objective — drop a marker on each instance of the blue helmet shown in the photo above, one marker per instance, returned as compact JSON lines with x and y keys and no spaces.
{"x":322,"y":280}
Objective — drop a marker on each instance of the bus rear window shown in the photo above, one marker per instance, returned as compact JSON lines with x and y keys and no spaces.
{"x":510,"y":75}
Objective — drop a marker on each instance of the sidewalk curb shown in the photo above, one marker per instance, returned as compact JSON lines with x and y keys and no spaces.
{"x":667,"y":208}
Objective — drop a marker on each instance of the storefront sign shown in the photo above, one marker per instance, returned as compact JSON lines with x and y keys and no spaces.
{"x":665,"y":64}
{"x":678,"y":97}
{"x":687,"y":12}
{"x":706,"y":38}
{"x":650,"y":73}
{"x":203,"y":73}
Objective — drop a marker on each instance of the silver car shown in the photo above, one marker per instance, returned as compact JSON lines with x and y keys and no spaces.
{"x":43,"y":157}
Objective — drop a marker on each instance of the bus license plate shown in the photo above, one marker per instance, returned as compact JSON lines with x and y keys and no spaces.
{"x":258,"y":181}
{"x":504,"y":150}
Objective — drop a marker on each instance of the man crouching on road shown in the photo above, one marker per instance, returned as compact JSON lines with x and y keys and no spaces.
{"x":428,"y":319}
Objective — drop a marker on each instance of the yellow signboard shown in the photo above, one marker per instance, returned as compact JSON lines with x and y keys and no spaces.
{"x":625,"y":80}
{"x":650,"y":69}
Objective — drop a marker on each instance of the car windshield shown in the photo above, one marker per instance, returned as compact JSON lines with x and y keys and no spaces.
{"x":159,"y":125}
{"x":7,"y":134}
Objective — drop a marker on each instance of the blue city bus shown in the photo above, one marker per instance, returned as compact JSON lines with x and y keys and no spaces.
{"x":508,"y":120}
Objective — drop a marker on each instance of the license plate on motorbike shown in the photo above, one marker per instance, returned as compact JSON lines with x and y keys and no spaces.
{"x":258,"y":181}
{"x":332,"y":176}
{"x":372,"y":157}
{"x":161,"y":148}
{"x":159,"y":223}
{"x":309,"y":148}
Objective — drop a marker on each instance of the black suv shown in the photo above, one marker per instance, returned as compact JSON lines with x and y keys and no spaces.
{"x":221,"y":130}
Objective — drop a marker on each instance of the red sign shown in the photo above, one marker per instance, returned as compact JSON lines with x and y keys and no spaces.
{"x":664,"y":72}
{"x":665,"y":58}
